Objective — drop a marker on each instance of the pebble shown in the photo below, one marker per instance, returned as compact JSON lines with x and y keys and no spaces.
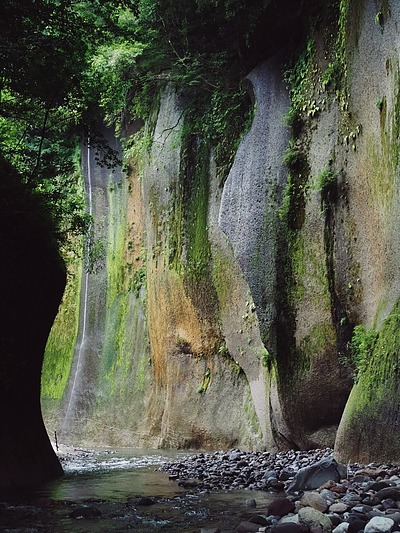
{"x":367,"y":500}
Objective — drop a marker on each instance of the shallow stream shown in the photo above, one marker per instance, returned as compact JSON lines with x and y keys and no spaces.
{"x":124,"y":490}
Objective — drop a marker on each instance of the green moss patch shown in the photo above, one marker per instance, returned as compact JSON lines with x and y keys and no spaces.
{"x":61,"y":342}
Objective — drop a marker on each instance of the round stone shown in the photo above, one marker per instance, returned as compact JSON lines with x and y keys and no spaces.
{"x":379,"y":524}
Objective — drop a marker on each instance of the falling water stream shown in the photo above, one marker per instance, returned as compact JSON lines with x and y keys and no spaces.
{"x":85,"y":283}
{"x":106,"y":491}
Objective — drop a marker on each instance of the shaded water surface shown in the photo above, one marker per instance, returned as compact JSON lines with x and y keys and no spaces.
{"x":107,"y":491}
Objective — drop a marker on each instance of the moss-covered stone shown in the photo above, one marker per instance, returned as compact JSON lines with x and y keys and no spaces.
{"x":370,"y":429}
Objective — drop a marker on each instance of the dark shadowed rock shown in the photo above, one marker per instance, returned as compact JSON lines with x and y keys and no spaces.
{"x":313,"y":476}
{"x":86,"y":512}
{"x":144,"y":501}
{"x":247,"y":527}
{"x":389,"y":492}
{"x":280,"y":507}
{"x":356,"y":524}
{"x":32,"y":280}
{"x":288,"y":527}
{"x":260,"y":520}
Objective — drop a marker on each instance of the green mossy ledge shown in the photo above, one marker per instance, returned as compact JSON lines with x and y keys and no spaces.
{"x":370,"y":426}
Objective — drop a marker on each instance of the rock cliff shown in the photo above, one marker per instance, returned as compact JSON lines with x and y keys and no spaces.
{"x":240,"y":309}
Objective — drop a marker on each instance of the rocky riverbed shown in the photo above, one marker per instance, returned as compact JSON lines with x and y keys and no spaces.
{"x":313,"y":493}
{"x":223,"y":492}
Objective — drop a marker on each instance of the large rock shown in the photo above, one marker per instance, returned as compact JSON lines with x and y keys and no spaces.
{"x":314,"y":500}
{"x":313,"y":476}
{"x":312,"y":518}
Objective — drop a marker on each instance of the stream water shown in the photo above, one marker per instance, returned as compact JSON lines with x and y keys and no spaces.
{"x":110,"y":491}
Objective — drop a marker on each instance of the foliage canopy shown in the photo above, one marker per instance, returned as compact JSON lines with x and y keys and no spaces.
{"x":66,"y":63}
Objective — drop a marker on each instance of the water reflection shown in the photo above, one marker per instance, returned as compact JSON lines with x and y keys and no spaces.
{"x":115,"y":475}
{"x":105,"y":492}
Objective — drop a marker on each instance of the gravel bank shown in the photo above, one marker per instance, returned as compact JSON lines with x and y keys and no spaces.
{"x":365,"y":499}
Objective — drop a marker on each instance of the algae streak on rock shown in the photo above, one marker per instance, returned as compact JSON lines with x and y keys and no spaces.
{"x":200,"y":393}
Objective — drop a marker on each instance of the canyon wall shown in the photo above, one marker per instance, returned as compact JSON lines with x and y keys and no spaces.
{"x":244,"y":309}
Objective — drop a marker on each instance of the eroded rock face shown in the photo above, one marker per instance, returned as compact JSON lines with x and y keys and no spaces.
{"x":250,"y":314}
{"x":32,"y":282}
{"x":369,"y":429}
{"x":253,"y":192}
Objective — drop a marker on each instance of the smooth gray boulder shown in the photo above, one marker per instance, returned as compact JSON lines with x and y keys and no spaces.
{"x":313,"y":476}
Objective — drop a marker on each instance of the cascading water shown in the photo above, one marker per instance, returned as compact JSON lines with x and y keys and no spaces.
{"x":85,"y":289}
{"x":81,"y":391}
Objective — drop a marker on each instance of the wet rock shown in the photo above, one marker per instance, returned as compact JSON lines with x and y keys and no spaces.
{"x":276,"y":485}
{"x":316,"y":529}
{"x":328,"y":495}
{"x":339,"y":488}
{"x":371,"y":500}
{"x":351,"y":498}
{"x":388,"y":504}
{"x":351,"y":501}
{"x":251,"y":503}
{"x":395,"y":517}
{"x":235,"y":455}
{"x":362,"y":509}
{"x":290,"y":518}
{"x":285,"y":475}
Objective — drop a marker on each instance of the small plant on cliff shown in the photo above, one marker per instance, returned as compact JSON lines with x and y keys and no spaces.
{"x":300,"y":77}
{"x":381,"y":103}
{"x":206,"y":381}
{"x":265,"y":358}
{"x":326,"y":179}
{"x":379,"y":19}
{"x":361,"y":348}
{"x":138,"y":281}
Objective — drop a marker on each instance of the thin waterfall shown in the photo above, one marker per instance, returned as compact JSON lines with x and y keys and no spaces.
{"x":86,"y":293}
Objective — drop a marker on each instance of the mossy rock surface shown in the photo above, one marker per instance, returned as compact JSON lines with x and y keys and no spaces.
{"x":370,"y":427}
